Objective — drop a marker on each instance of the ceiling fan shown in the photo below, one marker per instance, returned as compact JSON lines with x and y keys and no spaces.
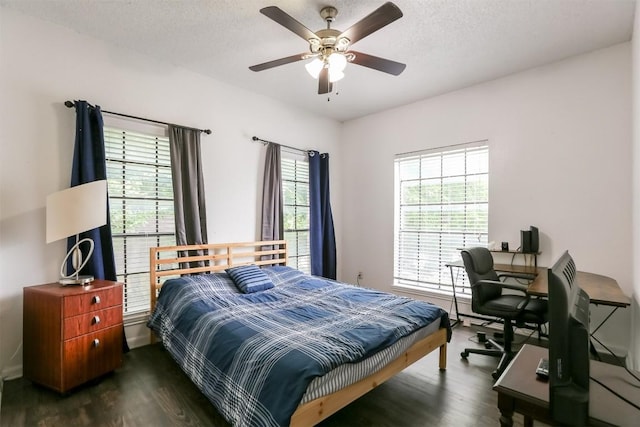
{"x":329,"y":48}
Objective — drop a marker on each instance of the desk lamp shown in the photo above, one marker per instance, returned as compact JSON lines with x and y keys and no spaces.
{"x":71,"y":212}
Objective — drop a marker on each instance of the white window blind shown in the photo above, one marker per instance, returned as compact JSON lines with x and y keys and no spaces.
{"x":141,"y":206}
{"x":441,"y":205}
{"x":295,"y":186}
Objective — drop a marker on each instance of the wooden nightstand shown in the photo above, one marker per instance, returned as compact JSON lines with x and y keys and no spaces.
{"x":72,"y":334}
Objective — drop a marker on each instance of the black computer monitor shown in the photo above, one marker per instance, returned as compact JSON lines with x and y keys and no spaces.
{"x":568,"y":345}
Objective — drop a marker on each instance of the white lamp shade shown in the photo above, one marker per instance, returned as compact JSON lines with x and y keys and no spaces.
{"x":335,"y":75}
{"x":314,"y":67}
{"x":337,"y":62}
{"x":76,"y":210}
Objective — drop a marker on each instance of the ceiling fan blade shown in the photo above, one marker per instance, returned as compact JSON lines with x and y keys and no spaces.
{"x":324,"y":85}
{"x":287,"y":21}
{"x":278,"y":62}
{"x":376,"y":63}
{"x":384,"y":15}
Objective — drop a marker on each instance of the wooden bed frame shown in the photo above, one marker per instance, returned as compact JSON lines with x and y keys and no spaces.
{"x":171,"y":261}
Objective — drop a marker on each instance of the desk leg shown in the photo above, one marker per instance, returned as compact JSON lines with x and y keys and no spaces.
{"x":605,"y":319}
{"x":528,"y":421}
{"x":593,"y":337}
{"x":506,"y":405}
{"x":455,"y":299}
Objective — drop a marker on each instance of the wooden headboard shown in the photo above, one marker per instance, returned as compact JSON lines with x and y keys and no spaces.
{"x":173,"y":261}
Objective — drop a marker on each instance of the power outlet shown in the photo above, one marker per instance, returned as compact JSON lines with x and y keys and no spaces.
{"x":466,"y":323}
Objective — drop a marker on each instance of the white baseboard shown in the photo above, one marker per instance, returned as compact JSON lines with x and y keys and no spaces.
{"x":137,"y":334}
{"x":138,"y":341}
{"x":11,"y":372}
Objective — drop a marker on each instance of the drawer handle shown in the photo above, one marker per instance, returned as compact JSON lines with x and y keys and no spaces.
{"x":96,"y":320}
{"x":96,"y":299}
{"x":96,"y":342}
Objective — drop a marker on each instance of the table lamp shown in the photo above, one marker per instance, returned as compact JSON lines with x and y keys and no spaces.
{"x":71,"y":212}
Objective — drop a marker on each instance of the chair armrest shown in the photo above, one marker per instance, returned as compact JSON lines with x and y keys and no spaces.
{"x":514,"y":286}
{"x":526,"y":276}
{"x":524,"y":303}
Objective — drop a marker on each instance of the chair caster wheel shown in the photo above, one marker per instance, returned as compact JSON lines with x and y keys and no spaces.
{"x":464,"y":354}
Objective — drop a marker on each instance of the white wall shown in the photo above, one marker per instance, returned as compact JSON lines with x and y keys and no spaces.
{"x":634,"y":339}
{"x":560,"y":159}
{"x":42,"y":66}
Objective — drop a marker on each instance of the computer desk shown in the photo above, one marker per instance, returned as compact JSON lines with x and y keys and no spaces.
{"x":520,"y":390}
{"x":602,"y":290}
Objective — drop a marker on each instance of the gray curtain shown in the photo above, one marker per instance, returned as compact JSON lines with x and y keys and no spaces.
{"x":272,"y":222}
{"x":188,"y":186}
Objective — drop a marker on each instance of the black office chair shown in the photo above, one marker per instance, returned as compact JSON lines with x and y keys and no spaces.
{"x":488,"y":299}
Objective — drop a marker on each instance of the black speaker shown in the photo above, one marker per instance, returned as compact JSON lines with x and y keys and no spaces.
{"x":525,"y":241}
{"x":535,"y":239}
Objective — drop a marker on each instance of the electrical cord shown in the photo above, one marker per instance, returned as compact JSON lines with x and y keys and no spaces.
{"x":615,"y":393}
{"x":473,"y":338}
{"x":617,"y":359}
{"x":526,"y":339}
{"x":621,"y":363}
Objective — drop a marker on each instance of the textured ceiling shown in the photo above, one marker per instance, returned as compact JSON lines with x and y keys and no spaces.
{"x":446,"y":44}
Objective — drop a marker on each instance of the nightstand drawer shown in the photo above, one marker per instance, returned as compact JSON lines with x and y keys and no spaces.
{"x":91,"y":355}
{"x":90,"y":322}
{"x":92,"y":300}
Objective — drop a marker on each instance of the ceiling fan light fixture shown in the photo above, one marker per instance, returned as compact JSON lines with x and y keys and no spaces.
{"x":342,"y":44}
{"x":314,"y":67}
{"x":335,"y":75}
{"x":337,"y":61}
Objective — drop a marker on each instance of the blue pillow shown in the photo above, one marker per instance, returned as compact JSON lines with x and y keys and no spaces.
{"x":249,"y":278}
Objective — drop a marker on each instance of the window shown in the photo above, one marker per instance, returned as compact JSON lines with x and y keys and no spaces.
{"x":295,"y":186}
{"x":441,"y":205}
{"x":141,"y":207}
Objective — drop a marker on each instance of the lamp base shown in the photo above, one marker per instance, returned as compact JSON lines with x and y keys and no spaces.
{"x":80,"y":280}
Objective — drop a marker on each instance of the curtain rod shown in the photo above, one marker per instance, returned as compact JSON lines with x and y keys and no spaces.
{"x":264,"y":141}
{"x":70,"y":104}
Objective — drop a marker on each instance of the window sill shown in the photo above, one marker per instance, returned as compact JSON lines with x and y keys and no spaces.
{"x":431,"y":293}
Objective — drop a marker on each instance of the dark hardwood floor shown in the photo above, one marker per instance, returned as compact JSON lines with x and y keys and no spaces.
{"x":151,"y":390}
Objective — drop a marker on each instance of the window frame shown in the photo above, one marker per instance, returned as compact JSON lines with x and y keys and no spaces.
{"x":136,"y":305}
{"x":295,"y":237}
{"x":446,"y":252}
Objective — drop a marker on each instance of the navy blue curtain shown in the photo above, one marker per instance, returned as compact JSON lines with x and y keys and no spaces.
{"x":89,"y":165}
{"x":322,"y":235}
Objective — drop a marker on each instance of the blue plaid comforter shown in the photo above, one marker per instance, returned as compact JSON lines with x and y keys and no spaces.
{"x":253,"y":355}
